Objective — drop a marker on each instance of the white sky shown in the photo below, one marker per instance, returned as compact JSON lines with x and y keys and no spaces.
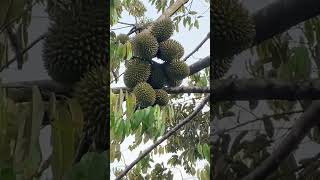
{"x":189,"y":39}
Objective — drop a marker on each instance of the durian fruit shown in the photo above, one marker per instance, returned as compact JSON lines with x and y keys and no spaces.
{"x":122,"y":38}
{"x":145,"y":46}
{"x":137,"y":71}
{"x":174,"y":82}
{"x":91,"y":92}
{"x":162,"y":97}
{"x":177,"y":70}
{"x":170,"y":50}
{"x":220,"y":67}
{"x":158,"y":77}
{"x":75,"y":43}
{"x":162,"y":29}
{"x":233,"y":28}
{"x":145,"y":94}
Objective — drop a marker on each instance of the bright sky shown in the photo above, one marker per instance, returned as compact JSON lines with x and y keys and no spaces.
{"x":189,"y":39}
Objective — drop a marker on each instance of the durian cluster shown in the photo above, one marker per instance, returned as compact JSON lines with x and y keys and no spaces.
{"x":75,"y":54}
{"x":146,"y":76}
{"x":233,"y":31}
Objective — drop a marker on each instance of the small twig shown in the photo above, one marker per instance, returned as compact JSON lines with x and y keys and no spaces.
{"x":259,"y":119}
{"x":164,"y":137}
{"x":45,"y":165}
{"x":198,"y":47}
{"x":23,"y":52}
{"x":120,"y":28}
{"x":116,"y":78}
{"x":130,"y":24}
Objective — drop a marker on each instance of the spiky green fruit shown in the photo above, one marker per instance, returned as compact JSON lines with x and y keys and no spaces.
{"x":137,"y":71}
{"x":144,"y":45}
{"x":91,"y":92}
{"x":233,"y":28}
{"x":158,"y":77}
{"x":145,"y":94}
{"x":170,"y":50}
{"x":220,"y":67}
{"x":162,"y":29}
{"x":122,"y":38}
{"x":173,"y":82}
{"x":177,"y":70}
{"x":162,"y":97}
{"x":75,"y":43}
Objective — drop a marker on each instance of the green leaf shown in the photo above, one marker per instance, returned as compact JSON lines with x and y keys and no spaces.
{"x":206,"y":152}
{"x":192,"y":12}
{"x":34,"y":157}
{"x":236,"y":143}
{"x":196,"y":23}
{"x":301,"y":62}
{"x":268,"y":126}
{"x":92,"y":166}
{"x":63,"y":141}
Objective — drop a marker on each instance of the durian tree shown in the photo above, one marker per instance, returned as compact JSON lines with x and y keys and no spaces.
{"x":265,"y":108}
{"x":152,"y":79}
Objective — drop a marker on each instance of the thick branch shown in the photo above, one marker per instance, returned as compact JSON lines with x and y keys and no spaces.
{"x":290,"y":143}
{"x":165,"y":137}
{"x":174,"y":90}
{"x":199,"y":65}
{"x":280,"y":15}
{"x":261,"y":89}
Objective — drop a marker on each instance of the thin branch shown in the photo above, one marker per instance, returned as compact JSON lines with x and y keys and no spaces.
{"x":299,"y":130}
{"x":124,"y":23}
{"x":23,"y":51}
{"x":45,"y":165}
{"x":164,"y":137}
{"x":198,"y":47}
{"x":120,"y":28}
{"x":259,"y":119}
{"x":262,"y":89}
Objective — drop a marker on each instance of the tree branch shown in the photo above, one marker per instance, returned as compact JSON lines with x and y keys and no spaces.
{"x":198,"y":47}
{"x":281,"y":15}
{"x":23,"y":51}
{"x":261,"y":89}
{"x":164,"y":137}
{"x":171,"y":90}
{"x":289,"y":143}
{"x":199,"y":65}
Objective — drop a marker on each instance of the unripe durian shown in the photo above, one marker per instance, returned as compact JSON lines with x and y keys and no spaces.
{"x":233,"y":28}
{"x":177,"y":70}
{"x":162,"y":29}
{"x":170,"y":50}
{"x":137,"y":71}
{"x":145,"y":94}
{"x":162,"y":97}
{"x":220,"y":67}
{"x":145,"y":46}
{"x":91,"y":92}
{"x":75,"y":43}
